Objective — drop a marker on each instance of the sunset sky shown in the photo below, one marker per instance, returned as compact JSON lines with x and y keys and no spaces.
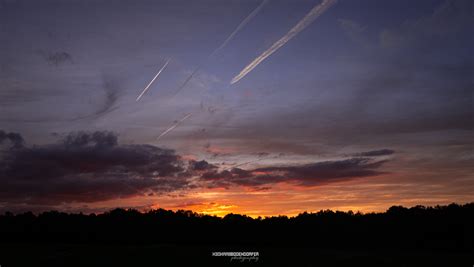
{"x":369,"y":106}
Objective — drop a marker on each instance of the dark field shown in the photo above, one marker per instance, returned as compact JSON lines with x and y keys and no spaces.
{"x":176,"y":255}
{"x":418,"y":236}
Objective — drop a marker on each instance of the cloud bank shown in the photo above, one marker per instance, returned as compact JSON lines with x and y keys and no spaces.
{"x":87,"y":167}
{"x":93,"y":166}
{"x":312,"y":174}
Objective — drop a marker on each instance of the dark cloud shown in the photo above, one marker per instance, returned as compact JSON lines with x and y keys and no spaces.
{"x":201,"y":165}
{"x":15,"y":139}
{"x":87,"y":167}
{"x":98,"y":139}
{"x":375,"y":153}
{"x":111,"y":88}
{"x":306,"y":175}
{"x":262,"y":154}
{"x":94,"y":166}
{"x":58,"y":58}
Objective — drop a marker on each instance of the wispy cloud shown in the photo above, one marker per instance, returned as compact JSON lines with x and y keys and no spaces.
{"x":375,"y":153}
{"x":312,"y":174}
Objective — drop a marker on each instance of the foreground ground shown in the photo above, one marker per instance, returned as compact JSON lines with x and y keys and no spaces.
{"x":172,"y":255}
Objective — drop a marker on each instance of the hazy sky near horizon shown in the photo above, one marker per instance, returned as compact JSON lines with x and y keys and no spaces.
{"x":369,"y":106}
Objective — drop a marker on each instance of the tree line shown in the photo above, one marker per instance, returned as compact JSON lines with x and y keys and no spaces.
{"x":444,"y":228}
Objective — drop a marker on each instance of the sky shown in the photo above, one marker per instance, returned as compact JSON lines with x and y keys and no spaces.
{"x":365,"y":105}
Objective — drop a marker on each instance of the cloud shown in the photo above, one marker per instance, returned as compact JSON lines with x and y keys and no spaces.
{"x":15,"y":139}
{"x":375,"y":153}
{"x":87,"y":167}
{"x":313,"y":174}
{"x":111,"y":86}
{"x":201,"y":165}
{"x":58,"y":58}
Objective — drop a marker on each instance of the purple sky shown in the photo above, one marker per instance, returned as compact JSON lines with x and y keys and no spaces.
{"x":375,"y":94}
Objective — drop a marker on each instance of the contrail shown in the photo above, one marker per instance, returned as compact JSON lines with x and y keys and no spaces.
{"x":154,"y":78}
{"x":187,"y":80}
{"x":224,"y":44}
{"x":173,"y":126}
{"x":241,"y":25}
{"x":302,"y":24}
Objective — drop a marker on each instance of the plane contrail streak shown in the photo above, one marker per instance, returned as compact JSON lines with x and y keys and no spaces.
{"x":187,"y":80}
{"x":241,"y":25}
{"x":173,"y":126}
{"x":217,"y":50}
{"x":154,"y":78}
{"x":301,"y":25}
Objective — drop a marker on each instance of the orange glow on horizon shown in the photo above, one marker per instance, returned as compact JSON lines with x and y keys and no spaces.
{"x":359,"y":195}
